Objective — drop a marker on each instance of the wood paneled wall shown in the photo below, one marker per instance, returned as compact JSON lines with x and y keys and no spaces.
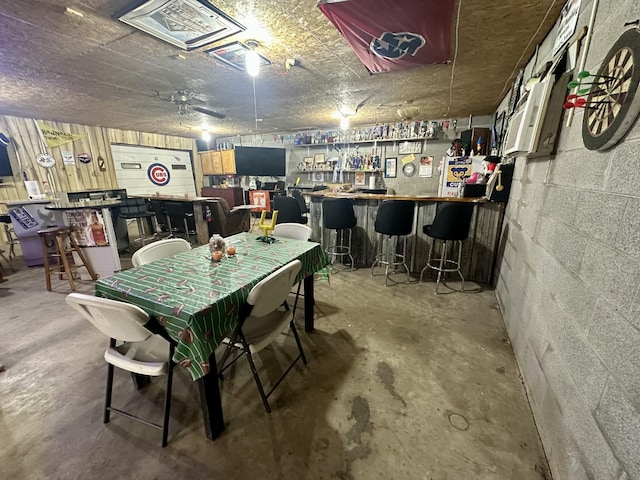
{"x":28,"y":143}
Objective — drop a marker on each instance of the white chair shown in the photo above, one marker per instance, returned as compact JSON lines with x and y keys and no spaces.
{"x":160,"y":249}
{"x":295,"y":231}
{"x":262,"y":318}
{"x":132,"y":348}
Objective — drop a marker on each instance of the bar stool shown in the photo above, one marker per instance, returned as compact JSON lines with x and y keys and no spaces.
{"x":10,"y":236}
{"x":179,"y":210}
{"x":55,"y":237}
{"x":338,"y":215}
{"x":451,"y":223}
{"x":394,"y":218}
{"x":136,"y":209}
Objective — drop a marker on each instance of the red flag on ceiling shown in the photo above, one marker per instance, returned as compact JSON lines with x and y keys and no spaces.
{"x":389,"y":35}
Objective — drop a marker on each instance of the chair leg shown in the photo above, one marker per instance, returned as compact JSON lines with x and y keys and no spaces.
{"x":459,"y":260}
{"x":265,"y":402}
{"x":107,"y":400}
{"x":186,"y":230}
{"x":65,"y":262}
{"x":167,"y":400}
{"x":77,"y":248}
{"x":295,"y":335}
{"x":45,"y":256}
{"x":443,"y":259}
{"x":295,"y":303}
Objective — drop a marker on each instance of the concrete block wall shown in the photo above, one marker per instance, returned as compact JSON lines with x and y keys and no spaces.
{"x":569,"y":288}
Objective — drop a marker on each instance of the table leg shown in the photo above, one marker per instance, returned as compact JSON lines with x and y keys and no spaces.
{"x":211,"y":401}
{"x":308,"y":304}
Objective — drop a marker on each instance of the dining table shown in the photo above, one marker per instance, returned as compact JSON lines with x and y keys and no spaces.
{"x":197,"y":299}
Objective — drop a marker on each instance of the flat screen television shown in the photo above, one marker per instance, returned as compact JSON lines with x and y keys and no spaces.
{"x":260,"y":161}
{"x":5,"y":166}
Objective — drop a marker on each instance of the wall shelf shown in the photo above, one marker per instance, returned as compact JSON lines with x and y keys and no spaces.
{"x":359,"y":142}
{"x":346,"y":170}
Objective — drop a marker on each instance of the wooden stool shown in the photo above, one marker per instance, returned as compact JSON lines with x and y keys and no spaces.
{"x":57,"y":235}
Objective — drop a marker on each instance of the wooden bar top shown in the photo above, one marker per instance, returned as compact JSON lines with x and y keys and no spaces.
{"x":377,"y":196}
{"x":175,"y":198}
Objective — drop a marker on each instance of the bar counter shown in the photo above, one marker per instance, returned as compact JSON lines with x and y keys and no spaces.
{"x":478,"y":251}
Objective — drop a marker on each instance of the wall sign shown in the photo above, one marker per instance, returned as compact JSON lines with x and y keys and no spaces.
{"x":83,"y":157}
{"x":45,"y":160}
{"x":158,"y":174}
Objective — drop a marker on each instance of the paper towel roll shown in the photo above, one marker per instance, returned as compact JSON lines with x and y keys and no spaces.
{"x":372,"y":182}
{"x":33,"y":189}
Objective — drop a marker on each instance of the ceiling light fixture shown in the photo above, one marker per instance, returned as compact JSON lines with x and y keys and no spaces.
{"x":344,"y":123}
{"x":252,"y":59}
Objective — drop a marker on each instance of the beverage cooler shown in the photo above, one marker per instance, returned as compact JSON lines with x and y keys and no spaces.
{"x":27,"y":217}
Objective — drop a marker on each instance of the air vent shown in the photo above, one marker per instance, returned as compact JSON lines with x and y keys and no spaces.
{"x":187,"y":24}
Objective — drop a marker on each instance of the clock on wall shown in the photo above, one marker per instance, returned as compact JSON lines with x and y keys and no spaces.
{"x":612,"y":106}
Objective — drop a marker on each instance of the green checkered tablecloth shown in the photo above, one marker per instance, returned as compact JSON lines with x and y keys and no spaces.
{"x":197,"y":300}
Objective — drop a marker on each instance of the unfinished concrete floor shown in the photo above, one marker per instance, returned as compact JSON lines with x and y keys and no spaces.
{"x":400,"y":384}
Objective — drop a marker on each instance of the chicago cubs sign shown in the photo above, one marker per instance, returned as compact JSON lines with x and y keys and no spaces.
{"x":158,"y":174}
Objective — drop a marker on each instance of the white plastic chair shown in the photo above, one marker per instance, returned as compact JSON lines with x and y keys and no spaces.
{"x":262,"y":318}
{"x":132,"y":348}
{"x":160,"y":249}
{"x":295,"y":231}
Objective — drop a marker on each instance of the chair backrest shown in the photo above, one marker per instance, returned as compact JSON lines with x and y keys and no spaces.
{"x":118,"y":320}
{"x":288,"y":210}
{"x":160,"y":249}
{"x":296,"y":231}
{"x":178,"y":209}
{"x":300,"y":199}
{"x":452,"y":221}
{"x":132,"y":207}
{"x":337,"y":213}
{"x":270,"y":292}
{"x":395,"y":217}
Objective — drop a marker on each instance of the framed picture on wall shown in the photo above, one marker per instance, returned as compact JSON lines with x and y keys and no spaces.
{"x":360,"y":178}
{"x":404,"y":148}
{"x":390,"y":167}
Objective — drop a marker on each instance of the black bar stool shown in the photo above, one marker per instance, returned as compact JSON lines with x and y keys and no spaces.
{"x":451,"y":223}
{"x":394,"y":218}
{"x":136,"y":209}
{"x":181,"y":211}
{"x":338,"y":215}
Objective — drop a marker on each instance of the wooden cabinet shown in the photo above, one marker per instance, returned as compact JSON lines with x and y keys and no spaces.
{"x":233,"y":195}
{"x":228,"y":162}
{"x":218,"y":162}
{"x":470,"y":140}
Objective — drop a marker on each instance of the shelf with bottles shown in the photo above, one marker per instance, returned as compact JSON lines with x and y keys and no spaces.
{"x":330,"y":170}
{"x":408,"y":131}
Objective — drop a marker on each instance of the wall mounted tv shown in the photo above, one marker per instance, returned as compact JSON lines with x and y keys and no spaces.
{"x":260,"y":161}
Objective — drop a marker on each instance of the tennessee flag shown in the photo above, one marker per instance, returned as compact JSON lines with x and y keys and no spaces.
{"x":389,"y":35}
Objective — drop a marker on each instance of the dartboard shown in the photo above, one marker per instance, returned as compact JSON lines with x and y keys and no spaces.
{"x":612,"y":106}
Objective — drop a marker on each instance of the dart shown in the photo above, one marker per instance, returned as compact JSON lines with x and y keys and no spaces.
{"x":585,"y":74}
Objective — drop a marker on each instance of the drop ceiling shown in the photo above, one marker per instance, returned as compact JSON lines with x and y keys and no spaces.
{"x":87,"y":67}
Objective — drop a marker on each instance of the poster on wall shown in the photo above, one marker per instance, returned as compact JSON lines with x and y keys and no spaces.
{"x":68,"y":158}
{"x":426,"y":167}
{"x":567,"y":25}
{"x":89,"y":227}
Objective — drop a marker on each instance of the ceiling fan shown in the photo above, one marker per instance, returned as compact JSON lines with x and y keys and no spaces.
{"x":187,"y":101}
